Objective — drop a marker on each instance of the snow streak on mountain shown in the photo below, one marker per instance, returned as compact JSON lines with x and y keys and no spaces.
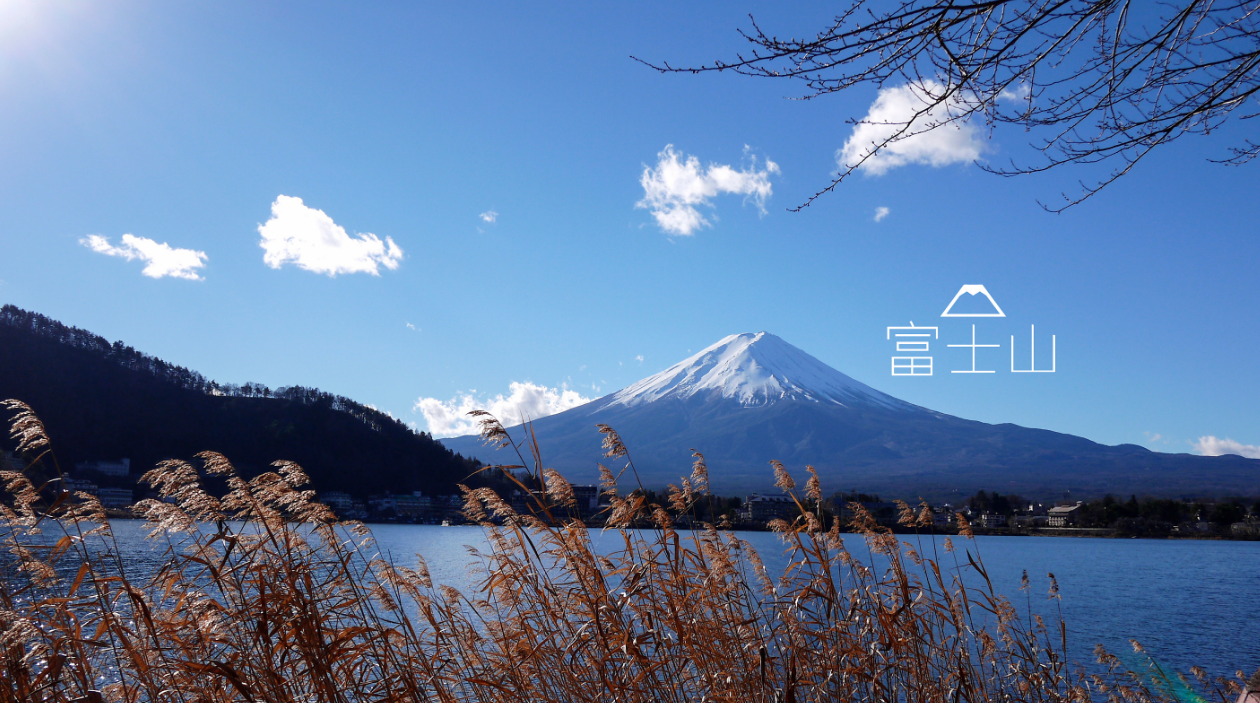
{"x":755,"y":369}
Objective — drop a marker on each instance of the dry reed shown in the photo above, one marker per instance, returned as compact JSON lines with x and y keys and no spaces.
{"x":295,"y":606}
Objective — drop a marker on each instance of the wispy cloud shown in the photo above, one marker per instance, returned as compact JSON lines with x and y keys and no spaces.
{"x":412,"y":327}
{"x":1213,"y":446}
{"x":933,"y":138}
{"x":678,"y":184}
{"x":489,"y":216}
{"x":881,"y":212}
{"x":524,"y":401}
{"x":161,"y":260}
{"x":639,"y":359}
{"x":309,"y":239}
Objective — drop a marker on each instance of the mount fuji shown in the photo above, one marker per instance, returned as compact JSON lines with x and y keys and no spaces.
{"x":751,"y":398}
{"x":754,"y":369}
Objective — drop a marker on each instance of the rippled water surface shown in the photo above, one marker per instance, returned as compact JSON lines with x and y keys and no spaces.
{"x":1188,"y":602}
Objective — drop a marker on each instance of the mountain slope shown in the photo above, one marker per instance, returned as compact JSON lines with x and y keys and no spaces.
{"x":751,"y":398}
{"x":754,"y":369}
{"x":107,"y":401}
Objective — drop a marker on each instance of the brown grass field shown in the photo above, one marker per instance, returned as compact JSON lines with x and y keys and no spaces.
{"x":296,"y":606}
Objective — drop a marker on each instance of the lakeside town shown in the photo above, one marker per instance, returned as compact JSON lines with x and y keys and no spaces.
{"x":1188,"y":518}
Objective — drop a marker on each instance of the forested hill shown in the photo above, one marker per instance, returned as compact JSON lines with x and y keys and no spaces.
{"x":106,"y":401}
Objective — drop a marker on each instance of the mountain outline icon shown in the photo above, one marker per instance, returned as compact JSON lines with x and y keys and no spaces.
{"x":973,"y":289}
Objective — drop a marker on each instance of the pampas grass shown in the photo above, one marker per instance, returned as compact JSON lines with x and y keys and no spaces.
{"x":297,"y":606}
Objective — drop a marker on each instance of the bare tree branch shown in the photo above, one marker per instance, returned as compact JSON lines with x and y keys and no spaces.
{"x":1105,"y":80}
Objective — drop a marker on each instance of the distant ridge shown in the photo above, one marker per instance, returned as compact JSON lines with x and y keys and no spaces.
{"x":103,"y":400}
{"x":753,"y":397}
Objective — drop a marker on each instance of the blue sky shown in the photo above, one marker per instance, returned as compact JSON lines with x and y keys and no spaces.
{"x":185,"y":123}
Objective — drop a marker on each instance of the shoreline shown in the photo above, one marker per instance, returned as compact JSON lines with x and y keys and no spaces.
{"x":1065,"y":532}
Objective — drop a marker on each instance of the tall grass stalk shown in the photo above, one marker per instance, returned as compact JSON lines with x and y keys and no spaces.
{"x":296,"y":606}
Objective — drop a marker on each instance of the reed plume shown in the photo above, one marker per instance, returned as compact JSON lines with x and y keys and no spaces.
{"x":263,"y":596}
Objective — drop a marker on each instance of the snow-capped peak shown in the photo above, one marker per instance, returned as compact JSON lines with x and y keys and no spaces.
{"x":754,"y":369}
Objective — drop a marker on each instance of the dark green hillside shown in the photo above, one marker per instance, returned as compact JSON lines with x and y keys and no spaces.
{"x":103,"y":401}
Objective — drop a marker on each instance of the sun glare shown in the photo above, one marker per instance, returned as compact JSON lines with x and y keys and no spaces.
{"x":40,"y":38}
{"x":16,"y":17}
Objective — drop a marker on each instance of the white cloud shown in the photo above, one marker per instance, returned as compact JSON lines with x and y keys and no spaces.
{"x":161,"y":260}
{"x":412,"y":327}
{"x":489,"y":216}
{"x":639,"y":359}
{"x":309,"y":239}
{"x":524,"y":401}
{"x":1212,"y":446}
{"x":1019,"y":95}
{"x":881,"y":212}
{"x":931,"y":139}
{"x":679,"y":184}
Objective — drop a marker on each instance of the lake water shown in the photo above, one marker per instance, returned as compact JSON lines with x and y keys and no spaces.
{"x":1188,"y":602}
